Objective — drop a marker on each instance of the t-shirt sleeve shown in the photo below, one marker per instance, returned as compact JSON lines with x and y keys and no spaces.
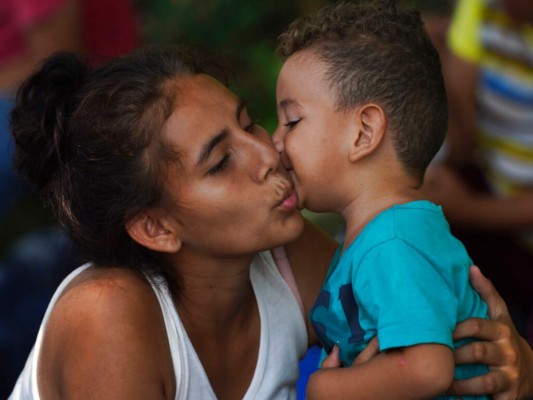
{"x":406,"y":298}
{"x":464,"y":33}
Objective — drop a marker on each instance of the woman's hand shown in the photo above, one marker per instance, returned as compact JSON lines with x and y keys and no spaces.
{"x":508,"y":355}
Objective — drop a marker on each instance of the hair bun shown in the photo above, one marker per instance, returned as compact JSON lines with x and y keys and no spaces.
{"x":39,"y":120}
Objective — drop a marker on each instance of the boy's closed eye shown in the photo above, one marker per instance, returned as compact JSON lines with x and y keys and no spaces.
{"x":291,"y":124}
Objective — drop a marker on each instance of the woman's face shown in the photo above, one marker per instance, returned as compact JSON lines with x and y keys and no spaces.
{"x":231,"y":195}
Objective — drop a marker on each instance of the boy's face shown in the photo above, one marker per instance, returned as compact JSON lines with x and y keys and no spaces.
{"x":312,"y":135}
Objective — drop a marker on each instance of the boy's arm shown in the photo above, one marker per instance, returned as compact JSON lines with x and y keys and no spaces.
{"x":416,"y":372}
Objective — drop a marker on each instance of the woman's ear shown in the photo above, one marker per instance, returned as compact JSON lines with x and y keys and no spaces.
{"x":370,"y":129}
{"x":154,"y":231}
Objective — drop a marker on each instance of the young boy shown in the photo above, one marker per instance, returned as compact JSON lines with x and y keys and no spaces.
{"x":362,"y":111}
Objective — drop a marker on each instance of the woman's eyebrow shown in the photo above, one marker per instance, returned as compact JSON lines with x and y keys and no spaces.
{"x":210,"y":145}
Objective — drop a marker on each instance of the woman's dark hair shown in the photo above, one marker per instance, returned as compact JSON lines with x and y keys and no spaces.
{"x":90,"y":140}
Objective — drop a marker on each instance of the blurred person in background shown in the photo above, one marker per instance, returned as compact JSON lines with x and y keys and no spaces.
{"x":30,"y":30}
{"x":486,"y":182}
{"x":35,"y":255}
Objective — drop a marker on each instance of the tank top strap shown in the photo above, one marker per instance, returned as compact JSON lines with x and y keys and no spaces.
{"x":282,"y":263}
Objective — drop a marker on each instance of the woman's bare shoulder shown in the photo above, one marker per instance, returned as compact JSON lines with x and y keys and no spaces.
{"x":100,"y":296}
{"x":106,"y":337}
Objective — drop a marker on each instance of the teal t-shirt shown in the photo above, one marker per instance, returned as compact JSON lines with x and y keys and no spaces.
{"x":404,"y":279}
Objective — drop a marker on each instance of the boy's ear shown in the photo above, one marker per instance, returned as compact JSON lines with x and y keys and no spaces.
{"x":153,"y":230}
{"x":369,"y":131}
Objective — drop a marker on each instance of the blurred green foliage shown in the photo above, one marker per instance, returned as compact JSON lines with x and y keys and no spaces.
{"x":241,"y":33}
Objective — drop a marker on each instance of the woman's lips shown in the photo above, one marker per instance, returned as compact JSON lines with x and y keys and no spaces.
{"x":290,"y":202}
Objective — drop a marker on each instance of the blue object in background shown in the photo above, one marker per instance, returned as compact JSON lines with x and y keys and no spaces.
{"x":29,"y":275}
{"x":11,"y":186}
{"x":308,"y":365}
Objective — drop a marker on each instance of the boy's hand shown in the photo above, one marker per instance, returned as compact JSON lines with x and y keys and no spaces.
{"x":332,"y":360}
{"x":371,"y":350}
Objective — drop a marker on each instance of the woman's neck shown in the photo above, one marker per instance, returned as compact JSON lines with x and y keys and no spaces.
{"x":215,"y":293}
{"x":219,"y":311}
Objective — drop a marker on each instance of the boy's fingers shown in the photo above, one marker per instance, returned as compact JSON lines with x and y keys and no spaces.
{"x":370,"y":351}
{"x":332,"y":360}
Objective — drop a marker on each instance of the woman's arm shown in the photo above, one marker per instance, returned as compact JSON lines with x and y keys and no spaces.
{"x":508,"y":355}
{"x":309,"y":257}
{"x":106,"y":339}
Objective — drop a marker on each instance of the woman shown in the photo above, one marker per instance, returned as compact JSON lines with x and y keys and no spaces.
{"x":160,"y":175}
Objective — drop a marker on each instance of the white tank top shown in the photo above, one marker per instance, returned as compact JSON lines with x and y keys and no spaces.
{"x":283,"y":339}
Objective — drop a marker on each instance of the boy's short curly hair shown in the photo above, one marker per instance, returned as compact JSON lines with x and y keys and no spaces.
{"x":376,"y":51}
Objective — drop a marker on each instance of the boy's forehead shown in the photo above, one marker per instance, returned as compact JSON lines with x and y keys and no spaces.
{"x":304,"y":83}
{"x":307,"y":59}
{"x":302,"y":71}
{"x":302,"y":86}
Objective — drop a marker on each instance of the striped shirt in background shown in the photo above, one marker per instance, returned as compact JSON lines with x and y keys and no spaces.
{"x":481,"y":33}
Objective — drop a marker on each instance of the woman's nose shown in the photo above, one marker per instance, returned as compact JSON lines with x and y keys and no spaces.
{"x":277,"y":139}
{"x":263,"y":156}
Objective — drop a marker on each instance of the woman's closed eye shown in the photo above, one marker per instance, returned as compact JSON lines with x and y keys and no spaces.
{"x":220,"y":166}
